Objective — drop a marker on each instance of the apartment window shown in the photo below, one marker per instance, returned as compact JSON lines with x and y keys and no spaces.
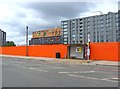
{"x":116,"y":15}
{"x":116,"y":28}
{"x":107,"y":20}
{"x":65,"y":26}
{"x":73,"y":42}
{"x":88,"y":23}
{"x":73,"y":21}
{"x":88,"y":26}
{"x":107,"y":36}
{"x":116,"y":20}
{"x":98,"y":18}
{"x":81,"y":34}
{"x":80,"y":19}
{"x":110,"y":15}
{"x":65,"y":36}
{"x":65,"y":29}
{"x":93,"y":18}
{"x":65,"y":39}
{"x":110,"y":20}
{"x":80,"y":26}
{"x":65,"y":32}
{"x":81,"y":23}
{"x":98,"y":22}
{"x":73,"y":38}
{"x":101,"y":21}
{"x":62,"y":26}
{"x":73,"y":35}
{"x":107,"y":25}
{"x":101,"y":17}
{"x":65,"y":42}
{"x":101,"y":25}
{"x":73,"y":28}
{"x":81,"y":30}
{"x":81,"y":37}
{"x":117,"y":24}
{"x":81,"y":41}
{"x":88,"y":19}
{"x":65,"y":22}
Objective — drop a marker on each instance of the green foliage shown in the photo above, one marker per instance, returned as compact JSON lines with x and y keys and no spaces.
{"x":38,"y":34}
{"x":10,"y":43}
{"x":44,"y":34}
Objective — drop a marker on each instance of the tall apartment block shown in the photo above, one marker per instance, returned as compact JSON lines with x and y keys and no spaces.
{"x":102,"y":28}
{"x":119,"y":18}
{"x":2,"y":38}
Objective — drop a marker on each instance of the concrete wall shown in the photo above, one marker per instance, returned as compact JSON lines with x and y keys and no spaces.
{"x":105,"y":51}
{"x":75,"y":54}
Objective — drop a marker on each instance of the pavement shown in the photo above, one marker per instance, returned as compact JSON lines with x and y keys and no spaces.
{"x":25,"y":72}
{"x":71,"y":61}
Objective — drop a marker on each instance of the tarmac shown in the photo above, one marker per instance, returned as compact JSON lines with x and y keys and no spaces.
{"x":69,"y":61}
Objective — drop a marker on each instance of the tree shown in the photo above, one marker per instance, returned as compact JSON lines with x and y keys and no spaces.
{"x":10,"y":43}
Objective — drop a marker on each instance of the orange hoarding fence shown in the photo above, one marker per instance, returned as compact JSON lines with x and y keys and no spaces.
{"x":48,"y":50}
{"x":109,"y":51}
{"x":14,"y":50}
{"x":105,"y":51}
{"x":37,"y":50}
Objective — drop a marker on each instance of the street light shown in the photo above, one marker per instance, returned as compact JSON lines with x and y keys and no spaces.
{"x":88,"y":35}
{"x":88,"y":49}
{"x":26,"y":40}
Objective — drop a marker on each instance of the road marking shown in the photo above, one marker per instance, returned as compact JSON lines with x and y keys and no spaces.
{"x":63,"y":72}
{"x":19,"y":62}
{"x":32,"y":68}
{"x":22,"y":67}
{"x":37,"y":69}
{"x":76,"y":72}
{"x":59,"y":67}
{"x":115,"y":78}
{"x":110,"y":78}
{"x":105,"y":72}
{"x":71,"y":75}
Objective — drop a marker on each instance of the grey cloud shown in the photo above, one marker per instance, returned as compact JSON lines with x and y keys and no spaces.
{"x":57,"y":10}
{"x":21,"y":15}
{"x":50,"y":12}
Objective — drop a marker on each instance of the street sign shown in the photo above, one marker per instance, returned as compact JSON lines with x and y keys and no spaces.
{"x":78,"y":49}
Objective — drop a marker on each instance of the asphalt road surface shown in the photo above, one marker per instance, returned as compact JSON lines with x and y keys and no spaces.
{"x":20,"y":72}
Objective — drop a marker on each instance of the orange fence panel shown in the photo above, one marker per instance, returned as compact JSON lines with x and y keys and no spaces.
{"x":48,"y":50}
{"x":36,"y":50}
{"x":105,"y":51}
{"x":14,"y":50}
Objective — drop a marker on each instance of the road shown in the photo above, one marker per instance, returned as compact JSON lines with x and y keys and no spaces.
{"x":20,"y":72}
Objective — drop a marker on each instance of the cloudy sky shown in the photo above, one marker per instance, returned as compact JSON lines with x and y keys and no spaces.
{"x":16,"y":15}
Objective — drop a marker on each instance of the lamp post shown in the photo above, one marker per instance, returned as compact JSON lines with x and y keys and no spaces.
{"x":26,"y":40}
{"x":88,"y":48}
{"x":88,"y":44}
